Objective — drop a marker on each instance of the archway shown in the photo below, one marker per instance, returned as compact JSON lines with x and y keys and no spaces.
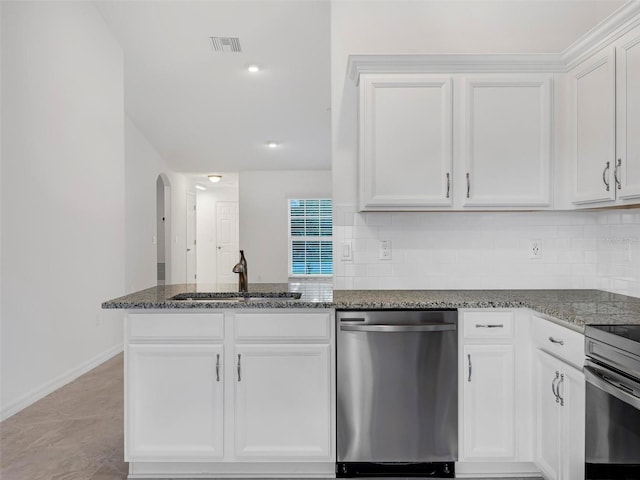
{"x":163,"y":229}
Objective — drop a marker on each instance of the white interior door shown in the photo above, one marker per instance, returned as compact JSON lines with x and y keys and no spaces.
{"x":226,"y":241}
{"x":191,"y":238}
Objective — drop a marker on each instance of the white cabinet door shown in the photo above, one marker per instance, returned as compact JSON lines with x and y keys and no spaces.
{"x":572,"y":391}
{"x":282,"y":402}
{"x":174,"y":402}
{"x":628,"y":114}
{"x":507,"y":141}
{"x":593,"y":120}
{"x":548,"y":419}
{"x":405,"y":141}
{"x":489,"y":402}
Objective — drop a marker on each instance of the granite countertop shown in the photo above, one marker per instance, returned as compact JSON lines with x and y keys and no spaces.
{"x":574,"y":308}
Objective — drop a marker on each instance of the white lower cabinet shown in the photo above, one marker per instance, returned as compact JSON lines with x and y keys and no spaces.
{"x":560,"y":400}
{"x":229,"y":394}
{"x":489,"y":403}
{"x":282,"y":401}
{"x":560,"y":412}
{"x":175,"y":402}
{"x":496,"y":410}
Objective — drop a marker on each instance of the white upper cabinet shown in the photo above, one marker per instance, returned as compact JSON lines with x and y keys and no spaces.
{"x":593,"y":119}
{"x":628,"y":116}
{"x":408,"y":131}
{"x":507,"y":141}
{"x":405,"y":141}
{"x":606,"y":124}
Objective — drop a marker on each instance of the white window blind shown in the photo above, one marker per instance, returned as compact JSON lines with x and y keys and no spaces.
{"x":310,"y":237}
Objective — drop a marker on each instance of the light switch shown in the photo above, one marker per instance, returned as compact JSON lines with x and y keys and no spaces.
{"x":346,"y":251}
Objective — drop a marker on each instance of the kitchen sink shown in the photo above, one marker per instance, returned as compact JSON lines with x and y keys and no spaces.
{"x":236,"y":297}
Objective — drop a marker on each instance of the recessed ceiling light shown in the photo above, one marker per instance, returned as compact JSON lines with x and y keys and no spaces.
{"x":272,"y":144}
{"x":201,"y":187}
{"x":215,"y":178}
{"x":253,"y":68}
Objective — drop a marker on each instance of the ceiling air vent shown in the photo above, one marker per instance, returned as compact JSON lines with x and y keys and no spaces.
{"x":226,"y":44}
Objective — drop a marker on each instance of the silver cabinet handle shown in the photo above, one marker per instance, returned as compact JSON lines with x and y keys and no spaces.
{"x":438,"y":327}
{"x":448,"y":184}
{"x":615,"y":173}
{"x":553,"y":340}
{"x":468,"y":185}
{"x":469,"y":357}
{"x":489,"y":325}
{"x":239,"y":379}
{"x":604,"y":175}
{"x":217,"y":367}
{"x":558,"y":390}
{"x":553,"y":385}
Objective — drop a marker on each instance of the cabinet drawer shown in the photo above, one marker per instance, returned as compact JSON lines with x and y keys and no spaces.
{"x":175,"y":326}
{"x":283,"y":326}
{"x":490,"y":324}
{"x":560,"y":341}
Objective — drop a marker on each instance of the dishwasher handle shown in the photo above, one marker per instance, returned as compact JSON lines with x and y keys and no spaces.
{"x":432,"y":327}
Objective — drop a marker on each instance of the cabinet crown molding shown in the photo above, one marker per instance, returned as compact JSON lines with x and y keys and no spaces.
{"x":610,"y":29}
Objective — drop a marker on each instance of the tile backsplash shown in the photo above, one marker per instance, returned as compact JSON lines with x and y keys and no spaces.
{"x":487,"y":250}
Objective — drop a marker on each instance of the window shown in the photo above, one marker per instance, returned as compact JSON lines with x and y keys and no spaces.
{"x":310,"y":237}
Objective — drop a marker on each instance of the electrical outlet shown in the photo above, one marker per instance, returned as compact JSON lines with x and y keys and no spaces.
{"x":535,"y":249}
{"x":385,"y":250}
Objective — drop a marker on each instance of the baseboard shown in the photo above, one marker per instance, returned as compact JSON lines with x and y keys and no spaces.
{"x":49,"y":387}
{"x":494,"y":470}
{"x":231,"y":470}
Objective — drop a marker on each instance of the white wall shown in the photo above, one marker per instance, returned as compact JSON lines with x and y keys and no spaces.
{"x":63,"y":221}
{"x":206,"y":234}
{"x":462,"y":250}
{"x":264,"y":214}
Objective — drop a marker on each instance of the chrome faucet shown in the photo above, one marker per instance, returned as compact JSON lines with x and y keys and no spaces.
{"x":241,"y":268}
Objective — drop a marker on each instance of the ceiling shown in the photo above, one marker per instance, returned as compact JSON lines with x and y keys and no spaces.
{"x":205,"y":113}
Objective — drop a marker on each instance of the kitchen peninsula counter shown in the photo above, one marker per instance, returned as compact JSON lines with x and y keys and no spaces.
{"x":574,"y":308}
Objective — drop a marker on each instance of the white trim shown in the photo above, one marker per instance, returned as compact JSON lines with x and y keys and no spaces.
{"x":454,"y":63}
{"x":610,"y":29}
{"x":602,"y":35}
{"x":49,"y":387}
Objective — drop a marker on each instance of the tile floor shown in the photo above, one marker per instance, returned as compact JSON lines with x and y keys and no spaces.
{"x":75,"y":433}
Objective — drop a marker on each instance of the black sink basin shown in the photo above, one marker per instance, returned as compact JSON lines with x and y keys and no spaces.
{"x":236,"y":297}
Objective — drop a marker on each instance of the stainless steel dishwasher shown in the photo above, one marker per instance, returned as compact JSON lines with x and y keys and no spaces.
{"x":397,"y":393}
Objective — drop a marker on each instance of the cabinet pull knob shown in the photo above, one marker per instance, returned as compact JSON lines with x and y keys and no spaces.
{"x":489,"y":325}
{"x":604,"y":175}
{"x":239,"y":379}
{"x":615,"y":173}
{"x":217,"y":367}
{"x":558,"y":390}
{"x":468,"y":185}
{"x":448,"y":184}
{"x":553,"y":385}
{"x":553,"y":340}
{"x":469,"y":357}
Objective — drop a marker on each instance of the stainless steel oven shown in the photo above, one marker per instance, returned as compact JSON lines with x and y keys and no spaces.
{"x":397,"y":393}
{"x":612,"y":373}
